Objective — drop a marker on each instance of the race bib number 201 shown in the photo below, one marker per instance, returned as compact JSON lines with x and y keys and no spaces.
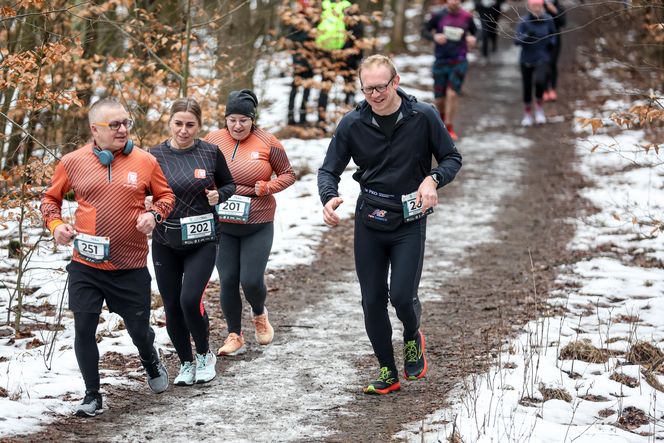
{"x":235,"y":208}
{"x":93,"y":248}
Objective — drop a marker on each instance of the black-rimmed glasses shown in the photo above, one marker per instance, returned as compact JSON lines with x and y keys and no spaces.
{"x":368,"y":90}
{"x":115,"y":125}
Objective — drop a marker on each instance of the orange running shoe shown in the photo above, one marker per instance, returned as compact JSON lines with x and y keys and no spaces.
{"x":450,"y":130}
{"x":264,"y":330}
{"x":415,"y":363}
{"x":233,"y":345}
{"x":388,"y":381}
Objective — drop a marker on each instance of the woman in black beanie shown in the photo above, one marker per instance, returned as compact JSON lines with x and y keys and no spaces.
{"x":260,"y":168}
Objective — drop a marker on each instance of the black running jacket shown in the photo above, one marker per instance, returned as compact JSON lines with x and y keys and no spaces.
{"x":395,"y":165}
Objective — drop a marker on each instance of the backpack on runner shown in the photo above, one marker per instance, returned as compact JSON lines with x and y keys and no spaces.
{"x":331,"y":31}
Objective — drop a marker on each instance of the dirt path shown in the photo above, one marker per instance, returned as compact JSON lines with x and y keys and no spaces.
{"x":508,"y":208}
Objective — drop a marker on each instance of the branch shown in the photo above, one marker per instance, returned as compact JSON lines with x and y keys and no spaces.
{"x":52,"y":11}
{"x":28,"y":134}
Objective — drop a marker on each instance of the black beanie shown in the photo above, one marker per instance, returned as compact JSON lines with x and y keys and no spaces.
{"x":242,"y":102}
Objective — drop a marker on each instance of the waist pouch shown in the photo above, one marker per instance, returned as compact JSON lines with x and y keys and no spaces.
{"x":172,"y":234}
{"x":379,"y":214}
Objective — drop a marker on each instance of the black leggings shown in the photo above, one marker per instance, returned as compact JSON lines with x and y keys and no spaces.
{"x":127,"y":293}
{"x":85,"y":343}
{"x":375,"y":253}
{"x":182,"y":276}
{"x":540,"y":72}
{"x":242,"y":259}
{"x":489,"y":33}
{"x":553,"y":66}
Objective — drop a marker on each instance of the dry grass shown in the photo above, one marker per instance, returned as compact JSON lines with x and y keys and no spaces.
{"x":629,"y":319}
{"x":554,"y":393}
{"x":607,"y":412}
{"x":584,"y":351}
{"x":455,"y":437}
{"x":652,"y":380}
{"x":645,"y":354}
{"x":632,"y":418}
{"x":624,"y":379}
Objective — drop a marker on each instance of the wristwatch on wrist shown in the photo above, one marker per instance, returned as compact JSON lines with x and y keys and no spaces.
{"x":157,"y":216}
{"x":435,"y":177}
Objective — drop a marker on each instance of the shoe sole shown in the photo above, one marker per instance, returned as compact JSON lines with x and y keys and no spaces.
{"x":242,"y":350}
{"x":84,"y":414}
{"x":264,"y":342}
{"x":201,"y":381}
{"x":183,"y":383}
{"x":371,"y":390}
{"x":426,"y":366}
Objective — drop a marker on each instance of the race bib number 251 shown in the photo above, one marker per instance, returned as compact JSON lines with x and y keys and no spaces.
{"x":93,"y":248}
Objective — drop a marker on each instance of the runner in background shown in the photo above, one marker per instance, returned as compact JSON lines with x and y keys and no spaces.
{"x":557,"y":11}
{"x":184,"y":246}
{"x":453,"y":30}
{"x":489,"y":12}
{"x":110,"y":179}
{"x":536,"y":34}
{"x":299,"y":30}
{"x":254,"y":156}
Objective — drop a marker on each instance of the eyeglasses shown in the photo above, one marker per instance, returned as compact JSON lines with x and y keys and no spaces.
{"x":242,"y":121}
{"x":368,"y":90}
{"x":115,"y":125}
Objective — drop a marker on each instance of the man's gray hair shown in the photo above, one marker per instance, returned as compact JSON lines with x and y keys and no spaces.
{"x":97,"y":106}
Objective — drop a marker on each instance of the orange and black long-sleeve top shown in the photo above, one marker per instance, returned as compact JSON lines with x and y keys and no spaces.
{"x":253,"y":162}
{"x":110,"y":200}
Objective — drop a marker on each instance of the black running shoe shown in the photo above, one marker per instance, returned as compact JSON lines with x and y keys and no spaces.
{"x":388,"y":381}
{"x":415,"y":363}
{"x":91,"y":406}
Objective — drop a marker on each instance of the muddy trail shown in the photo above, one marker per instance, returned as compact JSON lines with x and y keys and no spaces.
{"x":492,"y":247}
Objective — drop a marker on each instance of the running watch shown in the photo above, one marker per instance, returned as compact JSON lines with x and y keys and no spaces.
{"x":436,"y":177}
{"x":157,"y":216}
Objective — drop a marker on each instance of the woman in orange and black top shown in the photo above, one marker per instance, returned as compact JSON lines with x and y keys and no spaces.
{"x":253,"y":156}
{"x":184,"y":246}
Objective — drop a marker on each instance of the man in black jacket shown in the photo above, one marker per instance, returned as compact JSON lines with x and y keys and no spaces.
{"x":391,"y":137}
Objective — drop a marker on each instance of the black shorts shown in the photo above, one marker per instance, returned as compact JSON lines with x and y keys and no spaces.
{"x":126,"y":291}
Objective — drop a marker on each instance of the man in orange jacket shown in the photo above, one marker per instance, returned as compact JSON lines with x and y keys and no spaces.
{"x":110,"y":179}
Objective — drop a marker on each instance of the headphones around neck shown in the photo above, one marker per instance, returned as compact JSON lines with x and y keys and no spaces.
{"x":106,"y":156}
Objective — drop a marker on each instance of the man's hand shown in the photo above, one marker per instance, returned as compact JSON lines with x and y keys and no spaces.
{"x":148,"y":202}
{"x":145,"y":223}
{"x":329,"y":216}
{"x":440,"y":38}
{"x":212,"y":196}
{"x":470,"y":41}
{"x":64,"y":234}
{"x":426,"y":194}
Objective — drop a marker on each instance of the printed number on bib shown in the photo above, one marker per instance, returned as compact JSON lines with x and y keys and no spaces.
{"x":235,"y":208}
{"x":93,"y":248}
{"x":197,"y":229}
{"x":453,"y":33}
{"x":411,"y":210}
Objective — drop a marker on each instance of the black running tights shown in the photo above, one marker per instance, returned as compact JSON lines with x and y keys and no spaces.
{"x":540,"y":73}
{"x":85,"y":343}
{"x":242,"y":258}
{"x":182,"y":276}
{"x":375,"y":253}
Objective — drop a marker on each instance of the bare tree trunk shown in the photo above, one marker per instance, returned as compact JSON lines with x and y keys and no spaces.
{"x":235,"y":48}
{"x":399,"y":30}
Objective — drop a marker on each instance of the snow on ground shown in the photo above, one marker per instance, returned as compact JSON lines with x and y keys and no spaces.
{"x":610,"y":301}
